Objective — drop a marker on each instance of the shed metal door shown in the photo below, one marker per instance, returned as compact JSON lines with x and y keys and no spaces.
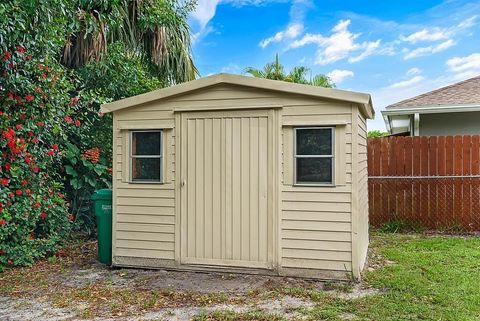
{"x":226,"y":193}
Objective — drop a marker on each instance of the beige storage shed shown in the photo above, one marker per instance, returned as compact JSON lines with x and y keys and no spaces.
{"x":242,"y":174}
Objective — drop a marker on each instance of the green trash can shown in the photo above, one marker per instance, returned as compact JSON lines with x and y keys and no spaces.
{"x":102,"y":204}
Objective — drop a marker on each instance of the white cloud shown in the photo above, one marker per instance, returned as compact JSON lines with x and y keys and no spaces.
{"x":425,"y":51}
{"x":292,"y":31}
{"x":413,"y":76}
{"x":468,"y":23}
{"x":231,"y":68}
{"x":205,"y":11}
{"x":242,"y":3}
{"x":442,"y":37}
{"x":465,"y":67}
{"x":407,"y":83}
{"x":338,"y":75}
{"x":426,"y":35}
{"x":294,"y":28}
{"x":414,"y":71}
{"x":436,"y":33}
{"x":339,"y":45}
{"x":370,"y":49}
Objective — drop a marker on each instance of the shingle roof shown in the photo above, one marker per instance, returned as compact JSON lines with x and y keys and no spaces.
{"x":466,"y":92}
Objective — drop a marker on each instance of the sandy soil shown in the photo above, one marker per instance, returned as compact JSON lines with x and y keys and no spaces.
{"x":79,"y":287}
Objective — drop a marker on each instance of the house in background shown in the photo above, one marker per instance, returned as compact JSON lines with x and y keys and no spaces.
{"x":450,"y":110}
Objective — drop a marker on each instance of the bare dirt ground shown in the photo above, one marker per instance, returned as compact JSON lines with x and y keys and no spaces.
{"x":75,"y":286}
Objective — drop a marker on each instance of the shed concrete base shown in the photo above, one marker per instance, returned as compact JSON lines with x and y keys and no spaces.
{"x":152,"y":263}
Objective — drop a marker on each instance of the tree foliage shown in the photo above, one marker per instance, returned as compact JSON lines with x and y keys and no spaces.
{"x":156,"y":30}
{"x":59,"y":60}
{"x":39,"y":25}
{"x":377,"y":133}
{"x":77,"y":32}
{"x":120,"y":74}
{"x":276,"y":71}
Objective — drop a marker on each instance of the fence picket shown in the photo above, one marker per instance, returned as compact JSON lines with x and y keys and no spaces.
{"x":409,"y":181}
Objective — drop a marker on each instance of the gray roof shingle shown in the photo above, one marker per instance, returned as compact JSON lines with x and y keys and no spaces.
{"x":466,"y":92}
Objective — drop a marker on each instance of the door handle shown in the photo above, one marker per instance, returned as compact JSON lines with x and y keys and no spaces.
{"x":184,"y":182}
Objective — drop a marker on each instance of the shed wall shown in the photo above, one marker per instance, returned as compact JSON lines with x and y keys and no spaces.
{"x":314,"y":226}
{"x":316,"y":221}
{"x":144,"y":214}
{"x":362,"y":191}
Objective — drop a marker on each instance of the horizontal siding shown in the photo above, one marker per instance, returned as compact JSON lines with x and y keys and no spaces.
{"x":315,"y":254}
{"x":144,"y":213}
{"x":317,"y":216}
{"x":363,"y":238}
{"x":157,"y":202}
{"x":145,"y":236}
{"x":322,"y":119}
{"x":316,"y":221}
{"x":140,"y":244}
{"x":317,"y":235}
{"x":319,"y":108}
{"x":143,"y":113}
{"x":146,"y":253}
{"x":317,"y":245}
{"x":311,"y":196}
{"x":317,"y":264}
{"x":145,"y":210}
{"x":147,"y":219}
{"x":146,"y":227}
{"x":136,"y":192}
{"x":316,"y":225}
{"x":316,"y":206}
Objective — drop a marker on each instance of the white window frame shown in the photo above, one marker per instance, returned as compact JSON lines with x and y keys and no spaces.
{"x":131,"y":157}
{"x":295,"y":157}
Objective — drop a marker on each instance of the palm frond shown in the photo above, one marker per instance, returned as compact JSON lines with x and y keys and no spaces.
{"x":156,"y":29}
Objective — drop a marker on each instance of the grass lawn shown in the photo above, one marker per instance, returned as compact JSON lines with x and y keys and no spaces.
{"x":411,"y":277}
{"x":423,"y":278}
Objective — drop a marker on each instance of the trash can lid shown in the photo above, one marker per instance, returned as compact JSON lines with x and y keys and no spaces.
{"x":102,"y":194}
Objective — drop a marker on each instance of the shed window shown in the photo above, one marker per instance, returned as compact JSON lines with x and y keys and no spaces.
{"x":146,"y":156}
{"x":314,"y":155}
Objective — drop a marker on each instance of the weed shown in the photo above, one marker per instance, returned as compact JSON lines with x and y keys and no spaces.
{"x":226,"y":315}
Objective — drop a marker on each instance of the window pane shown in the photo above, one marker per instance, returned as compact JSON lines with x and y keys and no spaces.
{"x":315,"y":141}
{"x":146,"y":143}
{"x":314,"y":170}
{"x":146,"y":169}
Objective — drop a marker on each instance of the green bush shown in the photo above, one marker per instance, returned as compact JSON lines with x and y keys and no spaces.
{"x":33,"y":212}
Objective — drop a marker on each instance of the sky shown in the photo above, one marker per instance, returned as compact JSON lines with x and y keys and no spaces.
{"x":390,"y":49}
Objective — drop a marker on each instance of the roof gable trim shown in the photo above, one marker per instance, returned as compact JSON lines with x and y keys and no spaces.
{"x":326,"y":93}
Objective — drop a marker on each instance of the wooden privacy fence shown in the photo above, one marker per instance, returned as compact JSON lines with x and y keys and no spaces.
{"x":429,"y":181}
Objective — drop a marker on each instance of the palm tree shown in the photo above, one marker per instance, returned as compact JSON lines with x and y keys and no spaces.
{"x":276,"y":71}
{"x":273,"y":70}
{"x":155,"y":29}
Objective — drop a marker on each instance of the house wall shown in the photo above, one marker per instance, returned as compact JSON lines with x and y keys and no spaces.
{"x":445,"y":124}
{"x":313,"y":225}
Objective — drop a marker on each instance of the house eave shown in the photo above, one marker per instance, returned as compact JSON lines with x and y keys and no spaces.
{"x":390,"y":113}
{"x":430,"y":109}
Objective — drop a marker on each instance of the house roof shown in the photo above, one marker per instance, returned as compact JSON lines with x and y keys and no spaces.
{"x":466,"y":92}
{"x":364,"y":100}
